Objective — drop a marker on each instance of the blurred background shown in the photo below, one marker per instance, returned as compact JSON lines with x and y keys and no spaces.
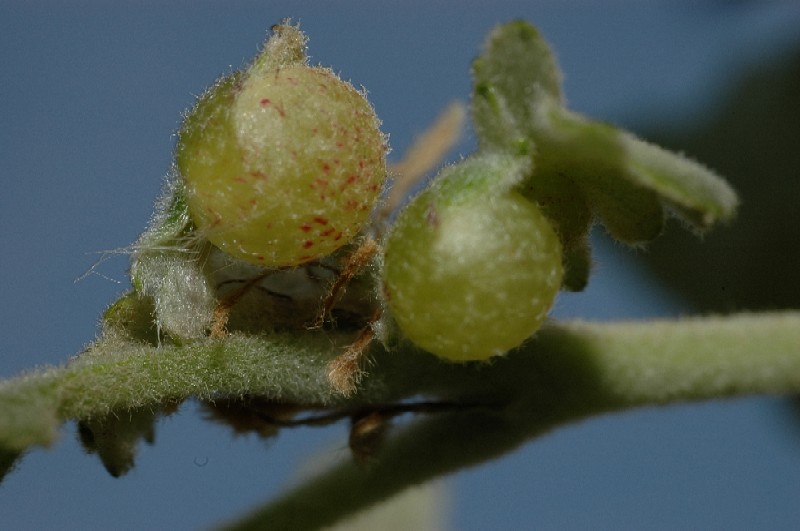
{"x":91,"y":93}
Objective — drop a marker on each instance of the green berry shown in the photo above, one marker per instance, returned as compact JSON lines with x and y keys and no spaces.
{"x":281,"y":165}
{"x":469,"y":273}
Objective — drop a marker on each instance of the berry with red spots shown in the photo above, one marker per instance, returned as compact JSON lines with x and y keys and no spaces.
{"x":283,"y":162}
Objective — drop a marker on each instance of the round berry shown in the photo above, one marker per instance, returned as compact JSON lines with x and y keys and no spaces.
{"x":281,"y":166}
{"x":471,"y":275}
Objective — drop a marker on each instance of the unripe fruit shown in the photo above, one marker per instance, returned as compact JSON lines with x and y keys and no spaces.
{"x":281,"y":166}
{"x":470,"y":275}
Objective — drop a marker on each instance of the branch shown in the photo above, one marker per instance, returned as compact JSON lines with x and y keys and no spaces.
{"x":569,"y":372}
{"x":584,"y":367}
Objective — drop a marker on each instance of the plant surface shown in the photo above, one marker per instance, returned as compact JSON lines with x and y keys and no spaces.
{"x":272,"y":286}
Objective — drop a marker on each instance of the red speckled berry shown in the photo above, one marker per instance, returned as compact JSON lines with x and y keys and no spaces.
{"x":281,"y":166}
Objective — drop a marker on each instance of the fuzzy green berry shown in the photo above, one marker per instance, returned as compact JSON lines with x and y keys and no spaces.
{"x":470,"y":273}
{"x":282,"y":164}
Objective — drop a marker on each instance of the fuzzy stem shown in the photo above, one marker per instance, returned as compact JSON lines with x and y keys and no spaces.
{"x":570,"y":370}
{"x":576,"y":370}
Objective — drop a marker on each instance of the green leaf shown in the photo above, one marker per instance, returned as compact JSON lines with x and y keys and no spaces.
{"x":515,"y":71}
{"x":565,"y":204}
{"x":692,"y":191}
{"x":8,"y":461}
{"x":132,"y":315}
{"x":628,"y":181}
{"x":577,"y":265}
{"x":583,"y":168}
{"x":115,"y":437}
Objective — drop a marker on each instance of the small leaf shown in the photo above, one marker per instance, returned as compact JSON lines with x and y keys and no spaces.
{"x":8,"y":461}
{"x":115,"y":437}
{"x":583,"y":168}
{"x":693,"y":192}
{"x":565,"y":205}
{"x":561,"y":200}
{"x":29,"y":414}
{"x":626,"y":180}
{"x":631,"y":214}
{"x":132,"y":315}
{"x":514,"y":72}
{"x":577,"y":266}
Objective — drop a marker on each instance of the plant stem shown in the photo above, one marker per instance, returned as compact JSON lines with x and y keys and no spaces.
{"x":569,"y":372}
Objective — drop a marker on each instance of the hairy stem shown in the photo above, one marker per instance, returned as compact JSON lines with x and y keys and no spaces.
{"x":575,"y":370}
{"x":569,"y":370}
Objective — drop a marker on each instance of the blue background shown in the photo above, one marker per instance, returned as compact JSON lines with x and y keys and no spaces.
{"x":90,"y":95}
